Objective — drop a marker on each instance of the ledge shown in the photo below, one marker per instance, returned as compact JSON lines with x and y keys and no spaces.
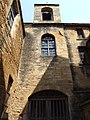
{"x":46,"y":4}
{"x":59,"y":24}
{"x":81,"y":39}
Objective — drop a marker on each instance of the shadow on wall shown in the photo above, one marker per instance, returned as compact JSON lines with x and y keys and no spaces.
{"x":57,"y":75}
{"x":81,"y":83}
{"x":4,"y":93}
{"x":52,"y":73}
{"x":2,"y":88}
{"x":81,"y":73}
{"x":56,"y":69}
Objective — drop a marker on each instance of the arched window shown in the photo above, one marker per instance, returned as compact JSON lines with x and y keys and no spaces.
{"x":48,"y":105}
{"x":47,"y":13}
{"x":48,"y":45}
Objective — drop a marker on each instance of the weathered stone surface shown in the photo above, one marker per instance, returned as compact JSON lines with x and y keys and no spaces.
{"x":38,"y":14}
{"x":74,"y":41}
{"x":10,"y":50}
{"x":31,"y":72}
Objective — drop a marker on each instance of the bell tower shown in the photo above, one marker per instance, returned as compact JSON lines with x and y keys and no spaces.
{"x":46,"y":13}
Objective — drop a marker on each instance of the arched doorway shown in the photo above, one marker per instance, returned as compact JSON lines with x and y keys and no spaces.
{"x":48,"y":105}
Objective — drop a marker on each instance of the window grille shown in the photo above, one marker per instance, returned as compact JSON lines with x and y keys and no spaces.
{"x":48,"y":108}
{"x":48,"y":45}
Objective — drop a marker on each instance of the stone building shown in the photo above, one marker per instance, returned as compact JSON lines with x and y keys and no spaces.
{"x":44,"y":65}
{"x":11,"y":39}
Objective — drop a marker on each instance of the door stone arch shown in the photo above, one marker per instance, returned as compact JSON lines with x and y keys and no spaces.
{"x":48,"y":105}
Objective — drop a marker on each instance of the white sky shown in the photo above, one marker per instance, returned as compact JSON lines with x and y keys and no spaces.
{"x":74,"y":11}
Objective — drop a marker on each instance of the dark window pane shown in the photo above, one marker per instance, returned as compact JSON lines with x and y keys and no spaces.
{"x":44,"y":44}
{"x":12,"y":13}
{"x":47,"y":13}
{"x":80,"y":33}
{"x":44,"y":52}
{"x":51,"y":44}
{"x":82,"y":53}
{"x":46,"y":16}
{"x":52,"y":52}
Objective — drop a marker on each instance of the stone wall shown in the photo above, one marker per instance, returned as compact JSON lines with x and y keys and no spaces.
{"x":39,"y":73}
{"x":62,"y":72}
{"x":10,"y":48}
{"x":32,"y":72}
{"x":38,"y":13}
{"x":81,"y":80}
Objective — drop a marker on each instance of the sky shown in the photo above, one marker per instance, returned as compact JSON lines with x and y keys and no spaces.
{"x":71,"y":11}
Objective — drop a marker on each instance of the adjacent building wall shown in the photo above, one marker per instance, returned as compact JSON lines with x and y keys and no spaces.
{"x":81,"y":81}
{"x":10,"y":49}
